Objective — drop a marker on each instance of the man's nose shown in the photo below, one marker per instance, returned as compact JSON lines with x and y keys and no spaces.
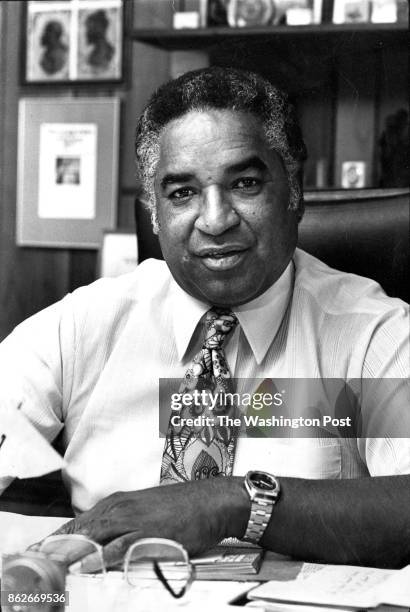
{"x":216,"y":215}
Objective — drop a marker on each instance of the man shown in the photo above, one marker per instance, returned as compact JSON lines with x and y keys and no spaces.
{"x":220,"y":157}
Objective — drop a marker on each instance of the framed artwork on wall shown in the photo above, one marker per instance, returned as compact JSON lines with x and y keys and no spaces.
{"x":73,"y":41}
{"x":67,"y":171}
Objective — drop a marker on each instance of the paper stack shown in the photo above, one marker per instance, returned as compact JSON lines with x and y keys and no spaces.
{"x":341,"y":586}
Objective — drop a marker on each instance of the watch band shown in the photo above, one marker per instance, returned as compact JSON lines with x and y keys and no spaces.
{"x":261,"y":511}
{"x":262,"y":503}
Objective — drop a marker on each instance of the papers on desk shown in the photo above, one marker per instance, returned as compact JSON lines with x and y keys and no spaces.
{"x":344,"y":586}
{"x":24,"y":453}
{"x":113,"y":594}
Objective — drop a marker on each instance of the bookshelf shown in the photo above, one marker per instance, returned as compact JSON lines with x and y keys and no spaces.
{"x":345,"y":80}
{"x":205,"y":38}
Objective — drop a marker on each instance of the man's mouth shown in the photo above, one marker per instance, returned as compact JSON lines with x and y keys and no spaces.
{"x":222,"y":258}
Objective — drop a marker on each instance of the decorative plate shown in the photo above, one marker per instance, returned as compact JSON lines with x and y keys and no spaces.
{"x":242,"y":13}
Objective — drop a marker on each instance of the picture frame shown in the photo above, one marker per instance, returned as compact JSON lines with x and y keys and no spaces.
{"x":353,"y":174}
{"x":118,"y":253}
{"x":351,"y":11}
{"x":67,"y":171}
{"x":73,"y":41}
{"x":247,"y":13}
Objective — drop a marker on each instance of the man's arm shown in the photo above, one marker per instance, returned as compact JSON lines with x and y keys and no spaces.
{"x":362,"y":522}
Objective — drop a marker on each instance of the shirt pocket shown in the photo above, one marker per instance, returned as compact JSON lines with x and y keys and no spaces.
{"x":298,"y":458}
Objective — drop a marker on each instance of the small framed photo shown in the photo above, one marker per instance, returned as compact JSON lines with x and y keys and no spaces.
{"x":297,"y":12}
{"x":245,"y":13}
{"x":384,"y":11}
{"x":73,"y":41}
{"x":67,"y":171}
{"x":214,"y":13}
{"x":351,"y":11}
{"x":353,"y":174}
{"x":118,"y":253}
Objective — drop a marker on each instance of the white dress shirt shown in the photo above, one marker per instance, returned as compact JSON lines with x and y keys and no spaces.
{"x":92,"y":362}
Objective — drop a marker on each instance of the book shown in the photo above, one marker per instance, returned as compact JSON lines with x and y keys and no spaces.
{"x":228,"y":563}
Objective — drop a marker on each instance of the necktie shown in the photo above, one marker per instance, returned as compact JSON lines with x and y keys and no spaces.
{"x":207,"y":448}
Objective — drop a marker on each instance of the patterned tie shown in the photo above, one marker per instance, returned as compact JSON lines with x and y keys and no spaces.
{"x":204,"y":450}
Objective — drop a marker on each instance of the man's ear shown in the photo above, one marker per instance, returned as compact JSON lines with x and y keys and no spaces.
{"x":155,"y":222}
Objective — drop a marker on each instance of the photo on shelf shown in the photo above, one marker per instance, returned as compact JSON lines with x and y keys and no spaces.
{"x":353,"y":175}
{"x":214,"y":13}
{"x":73,"y":41}
{"x":351,"y":11}
{"x":245,"y":13}
{"x":297,"y":12}
{"x":384,"y":11}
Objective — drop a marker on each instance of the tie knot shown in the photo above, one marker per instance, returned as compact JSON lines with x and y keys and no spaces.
{"x":218,"y":323}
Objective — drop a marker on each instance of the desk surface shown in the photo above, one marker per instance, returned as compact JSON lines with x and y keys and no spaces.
{"x":112,"y":594}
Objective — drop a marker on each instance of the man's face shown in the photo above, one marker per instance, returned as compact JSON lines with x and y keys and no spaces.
{"x":222,"y":201}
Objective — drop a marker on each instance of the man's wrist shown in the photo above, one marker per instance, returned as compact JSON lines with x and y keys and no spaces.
{"x":234,"y":506}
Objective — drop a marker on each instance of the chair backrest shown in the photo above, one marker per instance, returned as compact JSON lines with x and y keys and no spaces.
{"x":365,"y":232}
{"x":362,"y":231}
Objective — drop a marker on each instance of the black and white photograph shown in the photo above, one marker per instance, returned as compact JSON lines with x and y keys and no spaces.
{"x":73,"y":41}
{"x":204,"y":306}
{"x":48,"y":46}
{"x":99,"y":43}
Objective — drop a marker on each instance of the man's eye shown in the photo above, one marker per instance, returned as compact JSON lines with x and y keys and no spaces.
{"x":248,"y":184}
{"x":181,"y":194}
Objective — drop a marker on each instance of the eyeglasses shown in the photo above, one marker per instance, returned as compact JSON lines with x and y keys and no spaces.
{"x":146,"y":559}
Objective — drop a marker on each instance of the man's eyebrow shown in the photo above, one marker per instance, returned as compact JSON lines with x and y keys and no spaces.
{"x":183,"y":177}
{"x":246,"y":164}
{"x":177,"y":177}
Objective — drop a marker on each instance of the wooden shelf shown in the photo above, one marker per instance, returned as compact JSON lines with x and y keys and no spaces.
{"x":317,"y":196}
{"x":202,"y":38}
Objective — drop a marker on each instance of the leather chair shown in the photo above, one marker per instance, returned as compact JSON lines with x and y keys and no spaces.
{"x":364,"y":231}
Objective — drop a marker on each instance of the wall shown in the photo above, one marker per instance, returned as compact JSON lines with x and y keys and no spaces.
{"x":31,"y":279}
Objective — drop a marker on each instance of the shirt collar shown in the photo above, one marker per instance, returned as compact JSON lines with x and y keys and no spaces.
{"x":259,"y":319}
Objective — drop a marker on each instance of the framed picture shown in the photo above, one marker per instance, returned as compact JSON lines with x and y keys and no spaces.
{"x":73,"y":41}
{"x":351,"y":11}
{"x":245,"y":13}
{"x":118,"y":253}
{"x":353,"y":175}
{"x":67,"y":171}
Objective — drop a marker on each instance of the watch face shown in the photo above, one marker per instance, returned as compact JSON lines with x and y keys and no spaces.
{"x":263,"y":481}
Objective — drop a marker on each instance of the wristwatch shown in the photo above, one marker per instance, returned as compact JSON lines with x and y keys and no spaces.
{"x":264,"y":492}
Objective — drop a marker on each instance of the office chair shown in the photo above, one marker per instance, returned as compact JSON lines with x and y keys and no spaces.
{"x":365,"y":232}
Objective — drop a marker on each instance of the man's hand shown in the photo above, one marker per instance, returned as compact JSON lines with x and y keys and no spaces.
{"x":196,"y":514}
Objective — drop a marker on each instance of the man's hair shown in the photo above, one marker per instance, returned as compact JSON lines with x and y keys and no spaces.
{"x":222,"y":89}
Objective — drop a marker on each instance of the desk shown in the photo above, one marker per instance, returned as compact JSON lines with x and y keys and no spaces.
{"x":18,"y":531}
{"x":113,"y":594}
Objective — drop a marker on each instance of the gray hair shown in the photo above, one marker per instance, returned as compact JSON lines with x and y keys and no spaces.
{"x":223,"y":89}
